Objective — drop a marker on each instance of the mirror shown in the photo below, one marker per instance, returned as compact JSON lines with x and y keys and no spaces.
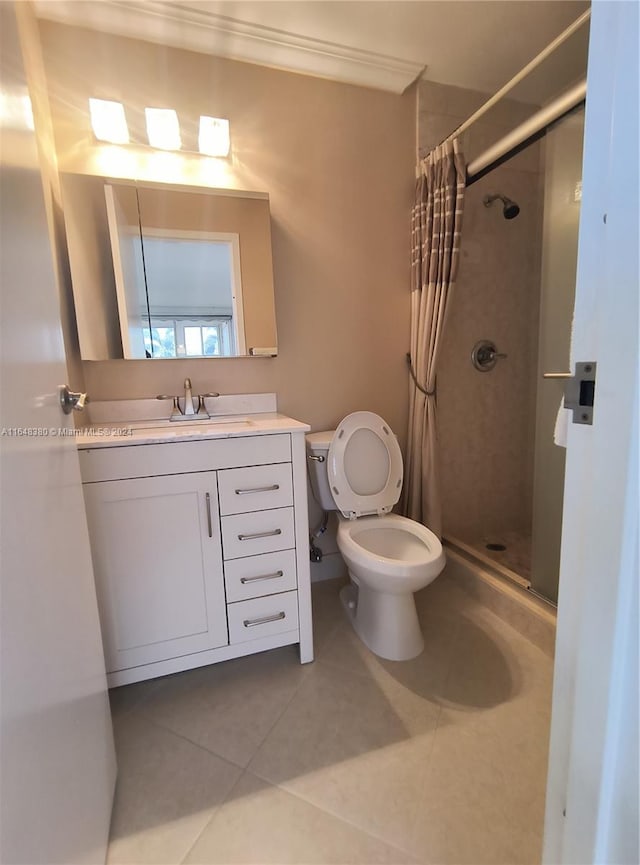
{"x":162,"y":271}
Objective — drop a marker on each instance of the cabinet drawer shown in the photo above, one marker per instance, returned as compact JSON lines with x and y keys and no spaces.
{"x":258,"y":532}
{"x":255,"y":488}
{"x":256,"y":576}
{"x":262,"y":617}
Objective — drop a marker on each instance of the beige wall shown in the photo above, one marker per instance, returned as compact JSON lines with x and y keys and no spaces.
{"x":337,"y":161}
{"x":486,"y":421}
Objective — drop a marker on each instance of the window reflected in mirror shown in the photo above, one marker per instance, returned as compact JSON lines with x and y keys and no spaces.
{"x":195,"y":305}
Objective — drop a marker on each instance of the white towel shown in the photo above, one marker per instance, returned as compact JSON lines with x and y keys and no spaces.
{"x":565,"y":415}
{"x":561,"y":427}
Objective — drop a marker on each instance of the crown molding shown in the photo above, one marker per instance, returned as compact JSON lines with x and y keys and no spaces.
{"x":183,"y":26}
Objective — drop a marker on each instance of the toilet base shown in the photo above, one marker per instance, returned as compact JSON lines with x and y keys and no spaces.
{"x":387,"y":624}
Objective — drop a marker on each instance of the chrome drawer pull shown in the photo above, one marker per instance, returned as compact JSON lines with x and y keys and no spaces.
{"x":209,"y":526}
{"x":258,"y":490}
{"x":260,"y":535}
{"x":276,"y":575}
{"x":250,"y":623}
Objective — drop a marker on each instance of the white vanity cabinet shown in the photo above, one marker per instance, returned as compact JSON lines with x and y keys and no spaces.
{"x":200,"y":550}
{"x":158,"y":566}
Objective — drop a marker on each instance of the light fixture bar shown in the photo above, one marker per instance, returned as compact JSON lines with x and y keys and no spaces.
{"x":213,"y":139}
{"x":163,"y":129}
{"x":108,"y":121}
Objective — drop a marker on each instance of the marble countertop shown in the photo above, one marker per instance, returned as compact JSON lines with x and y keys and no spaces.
{"x":142,"y":432}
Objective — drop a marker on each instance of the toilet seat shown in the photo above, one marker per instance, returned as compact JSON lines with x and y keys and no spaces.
{"x":399,"y":554}
{"x":364,"y":466}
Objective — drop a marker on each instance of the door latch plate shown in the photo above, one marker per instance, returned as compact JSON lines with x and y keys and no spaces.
{"x":579,"y":392}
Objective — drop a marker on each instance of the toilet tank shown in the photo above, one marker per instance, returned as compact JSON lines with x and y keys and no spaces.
{"x":318,"y":446}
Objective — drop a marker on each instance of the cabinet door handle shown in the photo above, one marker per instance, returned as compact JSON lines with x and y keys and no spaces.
{"x":258,"y":490}
{"x":276,"y":575}
{"x":256,"y":535}
{"x":209,"y":526}
{"x":251,"y":623}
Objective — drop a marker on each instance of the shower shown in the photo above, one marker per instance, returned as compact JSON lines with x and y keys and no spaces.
{"x":502,"y":474}
{"x":510,"y":209}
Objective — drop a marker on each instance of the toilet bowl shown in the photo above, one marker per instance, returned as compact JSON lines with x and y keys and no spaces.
{"x":357,"y":470}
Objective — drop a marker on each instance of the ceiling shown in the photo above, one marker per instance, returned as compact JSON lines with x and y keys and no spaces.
{"x":478,"y":44}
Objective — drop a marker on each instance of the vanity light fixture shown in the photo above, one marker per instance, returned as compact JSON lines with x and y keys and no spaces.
{"x":213,"y":139}
{"x":108,"y":121}
{"x":15,"y":110}
{"x":163,"y":129}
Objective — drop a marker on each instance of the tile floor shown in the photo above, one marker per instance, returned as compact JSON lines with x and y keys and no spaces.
{"x":348,"y":760}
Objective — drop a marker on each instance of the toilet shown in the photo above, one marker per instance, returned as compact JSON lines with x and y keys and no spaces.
{"x":357,"y":471}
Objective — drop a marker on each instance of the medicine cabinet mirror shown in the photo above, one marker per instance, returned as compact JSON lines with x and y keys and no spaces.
{"x":163,"y":271}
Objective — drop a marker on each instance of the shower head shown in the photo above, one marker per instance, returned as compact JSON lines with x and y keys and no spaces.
{"x":510,"y":209}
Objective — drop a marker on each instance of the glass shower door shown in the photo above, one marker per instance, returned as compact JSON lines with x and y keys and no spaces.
{"x":562,"y":196}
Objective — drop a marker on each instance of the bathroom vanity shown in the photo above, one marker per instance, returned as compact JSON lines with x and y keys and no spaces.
{"x":199,"y":536}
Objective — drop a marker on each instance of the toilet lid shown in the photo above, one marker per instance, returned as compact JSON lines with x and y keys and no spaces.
{"x":364,"y":465}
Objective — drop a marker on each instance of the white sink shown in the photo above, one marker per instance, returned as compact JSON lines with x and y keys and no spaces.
{"x":229,"y":419}
{"x":201,"y":425}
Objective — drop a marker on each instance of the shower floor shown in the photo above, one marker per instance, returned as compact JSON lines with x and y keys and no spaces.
{"x":516,"y":556}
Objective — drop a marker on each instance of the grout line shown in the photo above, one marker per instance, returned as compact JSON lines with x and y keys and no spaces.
{"x":159,"y":724}
{"x":214,"y":814}
{"x":327,"y":810}
{"x":303,"y":679}
{"x":184,"y":738}
{"x":202,"y":747}
{"x":215,"y":808}
{"x":314,"y":805}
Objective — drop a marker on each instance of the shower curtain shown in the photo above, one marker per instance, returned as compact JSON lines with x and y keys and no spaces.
{"x":435,"y":242}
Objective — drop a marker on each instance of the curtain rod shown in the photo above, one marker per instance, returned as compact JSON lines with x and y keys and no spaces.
{"x":528,"y":132}
{"x":533,"y":64}
{"x":522,"y":146}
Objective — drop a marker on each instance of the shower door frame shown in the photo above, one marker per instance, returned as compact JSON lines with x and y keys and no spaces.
{"x":562,"y":171}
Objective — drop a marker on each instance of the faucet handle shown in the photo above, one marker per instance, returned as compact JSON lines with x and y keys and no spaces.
{"x":202,"y":408}
{"x":176,"y":404}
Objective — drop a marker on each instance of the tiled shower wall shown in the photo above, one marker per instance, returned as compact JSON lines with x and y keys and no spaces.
{"x":486,"y":421}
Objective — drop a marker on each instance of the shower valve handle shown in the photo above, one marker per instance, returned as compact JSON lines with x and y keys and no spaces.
{"x":485,"y":355}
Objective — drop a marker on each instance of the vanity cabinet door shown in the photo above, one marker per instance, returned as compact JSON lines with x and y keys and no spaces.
{"x":158,"y":566}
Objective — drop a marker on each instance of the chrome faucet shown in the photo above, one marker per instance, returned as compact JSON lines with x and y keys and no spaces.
{"x":188,"y":412}
{"x":188,"y":398}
